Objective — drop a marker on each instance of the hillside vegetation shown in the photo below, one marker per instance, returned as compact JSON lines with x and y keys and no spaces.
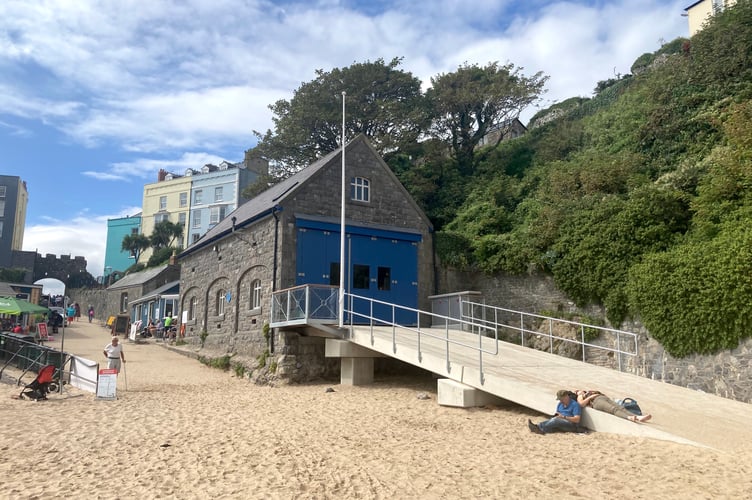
{"x":639,"y":199}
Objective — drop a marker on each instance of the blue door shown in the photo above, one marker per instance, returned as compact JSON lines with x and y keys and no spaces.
{"x":383,"y":265}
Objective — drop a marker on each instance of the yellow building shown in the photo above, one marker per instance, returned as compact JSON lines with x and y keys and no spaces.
{"x":168,"y":199}
{"x":699,"y":12}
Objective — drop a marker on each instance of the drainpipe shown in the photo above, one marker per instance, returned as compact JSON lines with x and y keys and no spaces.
{"x":274,"y":267}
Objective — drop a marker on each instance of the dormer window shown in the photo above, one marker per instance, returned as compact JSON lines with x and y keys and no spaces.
{"x":169,"y":177}
{"x":189,"y":172}
{"x":360,"y":189}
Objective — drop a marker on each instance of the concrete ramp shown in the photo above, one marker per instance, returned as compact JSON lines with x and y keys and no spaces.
{"x":531,"y":378}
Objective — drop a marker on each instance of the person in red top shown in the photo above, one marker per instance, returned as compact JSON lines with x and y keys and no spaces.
{"x":17,"y":329}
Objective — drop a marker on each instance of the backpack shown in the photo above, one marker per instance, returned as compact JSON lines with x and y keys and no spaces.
{"x":630,"y":404}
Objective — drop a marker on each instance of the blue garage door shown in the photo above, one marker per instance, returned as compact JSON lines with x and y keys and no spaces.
{"x":382,"y":265}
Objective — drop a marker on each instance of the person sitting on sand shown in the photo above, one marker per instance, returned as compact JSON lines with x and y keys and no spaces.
{"x":566,"y":419}
{"x":599,"y":401}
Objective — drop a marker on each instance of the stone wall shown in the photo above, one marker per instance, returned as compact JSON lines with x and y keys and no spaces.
{"x":727,"y":373}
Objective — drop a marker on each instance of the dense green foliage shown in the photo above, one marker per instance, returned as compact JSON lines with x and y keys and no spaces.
{"x":638,"y":199}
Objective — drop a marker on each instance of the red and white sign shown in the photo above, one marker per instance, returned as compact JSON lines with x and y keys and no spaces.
{"x":42,"y":330}
{"x":107,"y":383}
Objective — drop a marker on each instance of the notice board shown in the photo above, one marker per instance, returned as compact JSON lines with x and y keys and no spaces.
{"x":107,"y":384}
{"x":120,"y":326}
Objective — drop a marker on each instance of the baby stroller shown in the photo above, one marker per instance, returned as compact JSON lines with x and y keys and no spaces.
{"x":40,"y":386}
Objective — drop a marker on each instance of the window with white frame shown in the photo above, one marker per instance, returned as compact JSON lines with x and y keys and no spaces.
{"x":198,"y":197}
{"x":161,"y":218}
{"x":255,"y":294}
{"x":196,"y":218}
{"x":192,"y":308}
{"x":216,"y":214}
{"x":1,"y":228}
{"x":360,"y":189}
{"x":218,"y":193}
{"x":183,"y":199}
{"x":220,"y":302}
{"x":163,"y":202}
{"x":2,"y":191}
{"x":2,"y":208}
{"x":181,"y":219}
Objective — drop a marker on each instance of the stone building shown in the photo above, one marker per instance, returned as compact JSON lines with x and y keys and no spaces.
{"x":290,"y":235}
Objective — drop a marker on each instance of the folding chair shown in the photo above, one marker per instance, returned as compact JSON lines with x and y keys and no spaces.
{"x":40,"y":386}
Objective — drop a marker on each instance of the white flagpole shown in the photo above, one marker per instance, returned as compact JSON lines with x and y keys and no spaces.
{"x":342,"y":266}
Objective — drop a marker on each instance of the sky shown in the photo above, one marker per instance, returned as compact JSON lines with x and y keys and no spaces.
{"x":96,"y":96}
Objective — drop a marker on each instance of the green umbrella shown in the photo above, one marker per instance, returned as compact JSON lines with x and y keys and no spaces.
{"x":10,"y":305}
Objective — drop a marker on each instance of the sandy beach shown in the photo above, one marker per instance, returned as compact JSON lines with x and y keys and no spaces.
{"x":183,"y":430}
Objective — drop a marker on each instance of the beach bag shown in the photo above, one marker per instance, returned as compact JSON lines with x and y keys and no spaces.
{"x":630,"y":404}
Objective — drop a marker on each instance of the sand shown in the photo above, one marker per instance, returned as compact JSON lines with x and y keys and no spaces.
{"x":183,"y":430}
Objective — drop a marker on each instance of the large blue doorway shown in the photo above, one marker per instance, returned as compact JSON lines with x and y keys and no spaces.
{"x":382,"y":264}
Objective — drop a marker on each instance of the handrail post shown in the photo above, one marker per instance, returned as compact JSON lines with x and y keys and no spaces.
{"x":446,"y":333}
{"x":582,"y":332}
{"x":618,"y":346}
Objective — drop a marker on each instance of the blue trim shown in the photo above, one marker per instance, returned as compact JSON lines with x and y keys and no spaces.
{"x":359,"y":230}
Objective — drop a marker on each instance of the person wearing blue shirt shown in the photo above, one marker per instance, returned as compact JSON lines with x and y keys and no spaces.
{"x":567,"y":418}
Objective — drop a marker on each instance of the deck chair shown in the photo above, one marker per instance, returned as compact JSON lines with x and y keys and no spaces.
{"x":39,"y":387}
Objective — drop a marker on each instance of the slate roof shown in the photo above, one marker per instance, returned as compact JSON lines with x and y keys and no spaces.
{"x":170,"y":288}
{"x":139,"y":278}
{"x":269,"y":201}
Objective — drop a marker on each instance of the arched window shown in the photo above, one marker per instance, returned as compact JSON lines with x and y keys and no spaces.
{"x":192,"y":308}
{"x":255,"y":294}
{"x":220,"y":302}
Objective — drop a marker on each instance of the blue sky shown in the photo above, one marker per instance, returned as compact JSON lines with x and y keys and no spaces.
{"x":97,"y":95}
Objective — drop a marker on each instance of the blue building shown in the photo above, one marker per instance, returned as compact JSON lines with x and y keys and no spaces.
{"x":115,"y":258}
{"x":215,"y":192}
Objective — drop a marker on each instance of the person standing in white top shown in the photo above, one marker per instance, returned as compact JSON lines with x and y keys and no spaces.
{"x":114,"y":353}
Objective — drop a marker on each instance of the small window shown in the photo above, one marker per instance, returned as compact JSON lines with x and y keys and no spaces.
{"x":163,"y":202}
{"x":385,"y":278}
{"x":197,"y":197}
{"x":255,"y":294}
{"x":2,"y":191}
{"x":1,"y":228}
{"x":218,"y":193}
{"x":123,"y":302}
{"x":360,"y":189}
{"x":192,"y":308}
{"x":2,"y":208}
{"x":196,"y":218}
{"x":161,"y":218}
{"x":134,"y":230}
{"x":195,"y":237}
{"x":183,"y":199}
{"x":220,"y":308}
{"x":361,"y":276}
{"x":216,"y":215}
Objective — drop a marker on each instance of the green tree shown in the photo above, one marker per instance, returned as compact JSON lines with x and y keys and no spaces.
{"x":382,"y":102}
{"x":164,"y":234}
{"x":470,"y":102}
{"x":135,"y":244}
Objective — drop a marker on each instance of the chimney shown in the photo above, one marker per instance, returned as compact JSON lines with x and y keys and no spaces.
{"x":161,"y":175}
{"x":255,"y":163}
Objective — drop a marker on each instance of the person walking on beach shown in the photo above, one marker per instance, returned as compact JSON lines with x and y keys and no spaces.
{"x":71,"y":312}
{"x":91,"y":313}
{"x":77,"y":309}
{"x":114,"y":353}
{"x":566,"y":419}
{"x":601,"y":402}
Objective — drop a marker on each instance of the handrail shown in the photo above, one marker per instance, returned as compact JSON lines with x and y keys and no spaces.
{"x":468,"y":309}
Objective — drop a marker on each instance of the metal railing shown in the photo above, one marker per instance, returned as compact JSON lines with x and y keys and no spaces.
{"x":522,"y":324}
{"x":26,"y":355}
{"x":304,"y":304}
{"x":358,"y":306}
{"x":308,"y":304}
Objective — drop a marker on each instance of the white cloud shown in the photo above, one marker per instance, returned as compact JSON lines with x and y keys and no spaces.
{"x":81,"y":236}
